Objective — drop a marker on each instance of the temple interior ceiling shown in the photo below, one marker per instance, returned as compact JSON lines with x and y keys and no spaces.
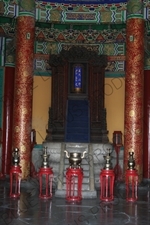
{"x":99,"y":25}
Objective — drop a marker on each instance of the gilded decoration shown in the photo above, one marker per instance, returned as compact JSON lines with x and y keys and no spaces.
{"x":135,"y":7}
{"x":23,"y":90}
{"x":23,"y":148}
{"x":24,"y":111}
{"x":133,"y":76}
{"x":106,"y":16}
{"x":10,"y":59}
{"x":138,"y":131}
{"x":132,"y":113}
{"x":52,"y":48}
{"x":27,"y":5}
{"x":17,"y":129}
{"x":110,"y":66}
{"x":55,"y":15}
{"x":108,"y":49}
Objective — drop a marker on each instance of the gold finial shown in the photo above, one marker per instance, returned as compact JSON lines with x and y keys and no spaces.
{"x":16,"y":157}
{"x":45,"y":163}
{"x":131,"y":161}
{"x":108,"y":164}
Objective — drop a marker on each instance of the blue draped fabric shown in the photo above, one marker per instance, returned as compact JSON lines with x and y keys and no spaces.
{"x":86,"y":1}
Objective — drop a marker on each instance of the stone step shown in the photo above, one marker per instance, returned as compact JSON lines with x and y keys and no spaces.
{"x":85,"y":180}
{"x":84,"y":186}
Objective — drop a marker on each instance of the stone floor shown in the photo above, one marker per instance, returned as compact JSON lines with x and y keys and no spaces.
{"x":29,"y":209}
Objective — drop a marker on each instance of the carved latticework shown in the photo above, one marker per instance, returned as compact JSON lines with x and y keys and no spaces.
{"x":95,"y":94}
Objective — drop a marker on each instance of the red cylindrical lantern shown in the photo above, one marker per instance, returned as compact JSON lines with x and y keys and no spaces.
{"x":131,"y":178}
{"x":74,"y":177}
{"x":45,"y":181}
{"x":107,"y":177}
{"x":45,"y":178}
{"x":15,"y":180}
{"x":15,"y":175}
{"x":107,"y":185}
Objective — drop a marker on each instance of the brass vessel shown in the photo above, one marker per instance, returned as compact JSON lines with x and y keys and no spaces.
{"x":75,"y":158}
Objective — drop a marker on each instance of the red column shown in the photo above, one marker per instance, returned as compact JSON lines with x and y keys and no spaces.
{"x":7,"y":119}
{"x":133,"y":141}
{"x":23,"y":90}
{"x":146,"y":126}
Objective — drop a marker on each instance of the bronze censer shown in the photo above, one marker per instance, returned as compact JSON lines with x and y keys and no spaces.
{"x":75,"y":158}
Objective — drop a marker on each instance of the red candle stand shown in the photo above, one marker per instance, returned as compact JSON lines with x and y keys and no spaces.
{"x":74,"y":177}
{"x":45,"y":177}
{"x":45,"y":182}
{"x":107,"y":185}
{"x":107,"y":177}
{"x":131,"y":185}
{"x":131,"y":178}
{"x":15,"y":175}
{"x":15,"y":180}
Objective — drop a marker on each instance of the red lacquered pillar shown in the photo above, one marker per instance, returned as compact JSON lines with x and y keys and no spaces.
{"x":7,"y":119}
{"x":24,"y":85}
{"x":146,"y":126}
{"x":133,"y":140}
